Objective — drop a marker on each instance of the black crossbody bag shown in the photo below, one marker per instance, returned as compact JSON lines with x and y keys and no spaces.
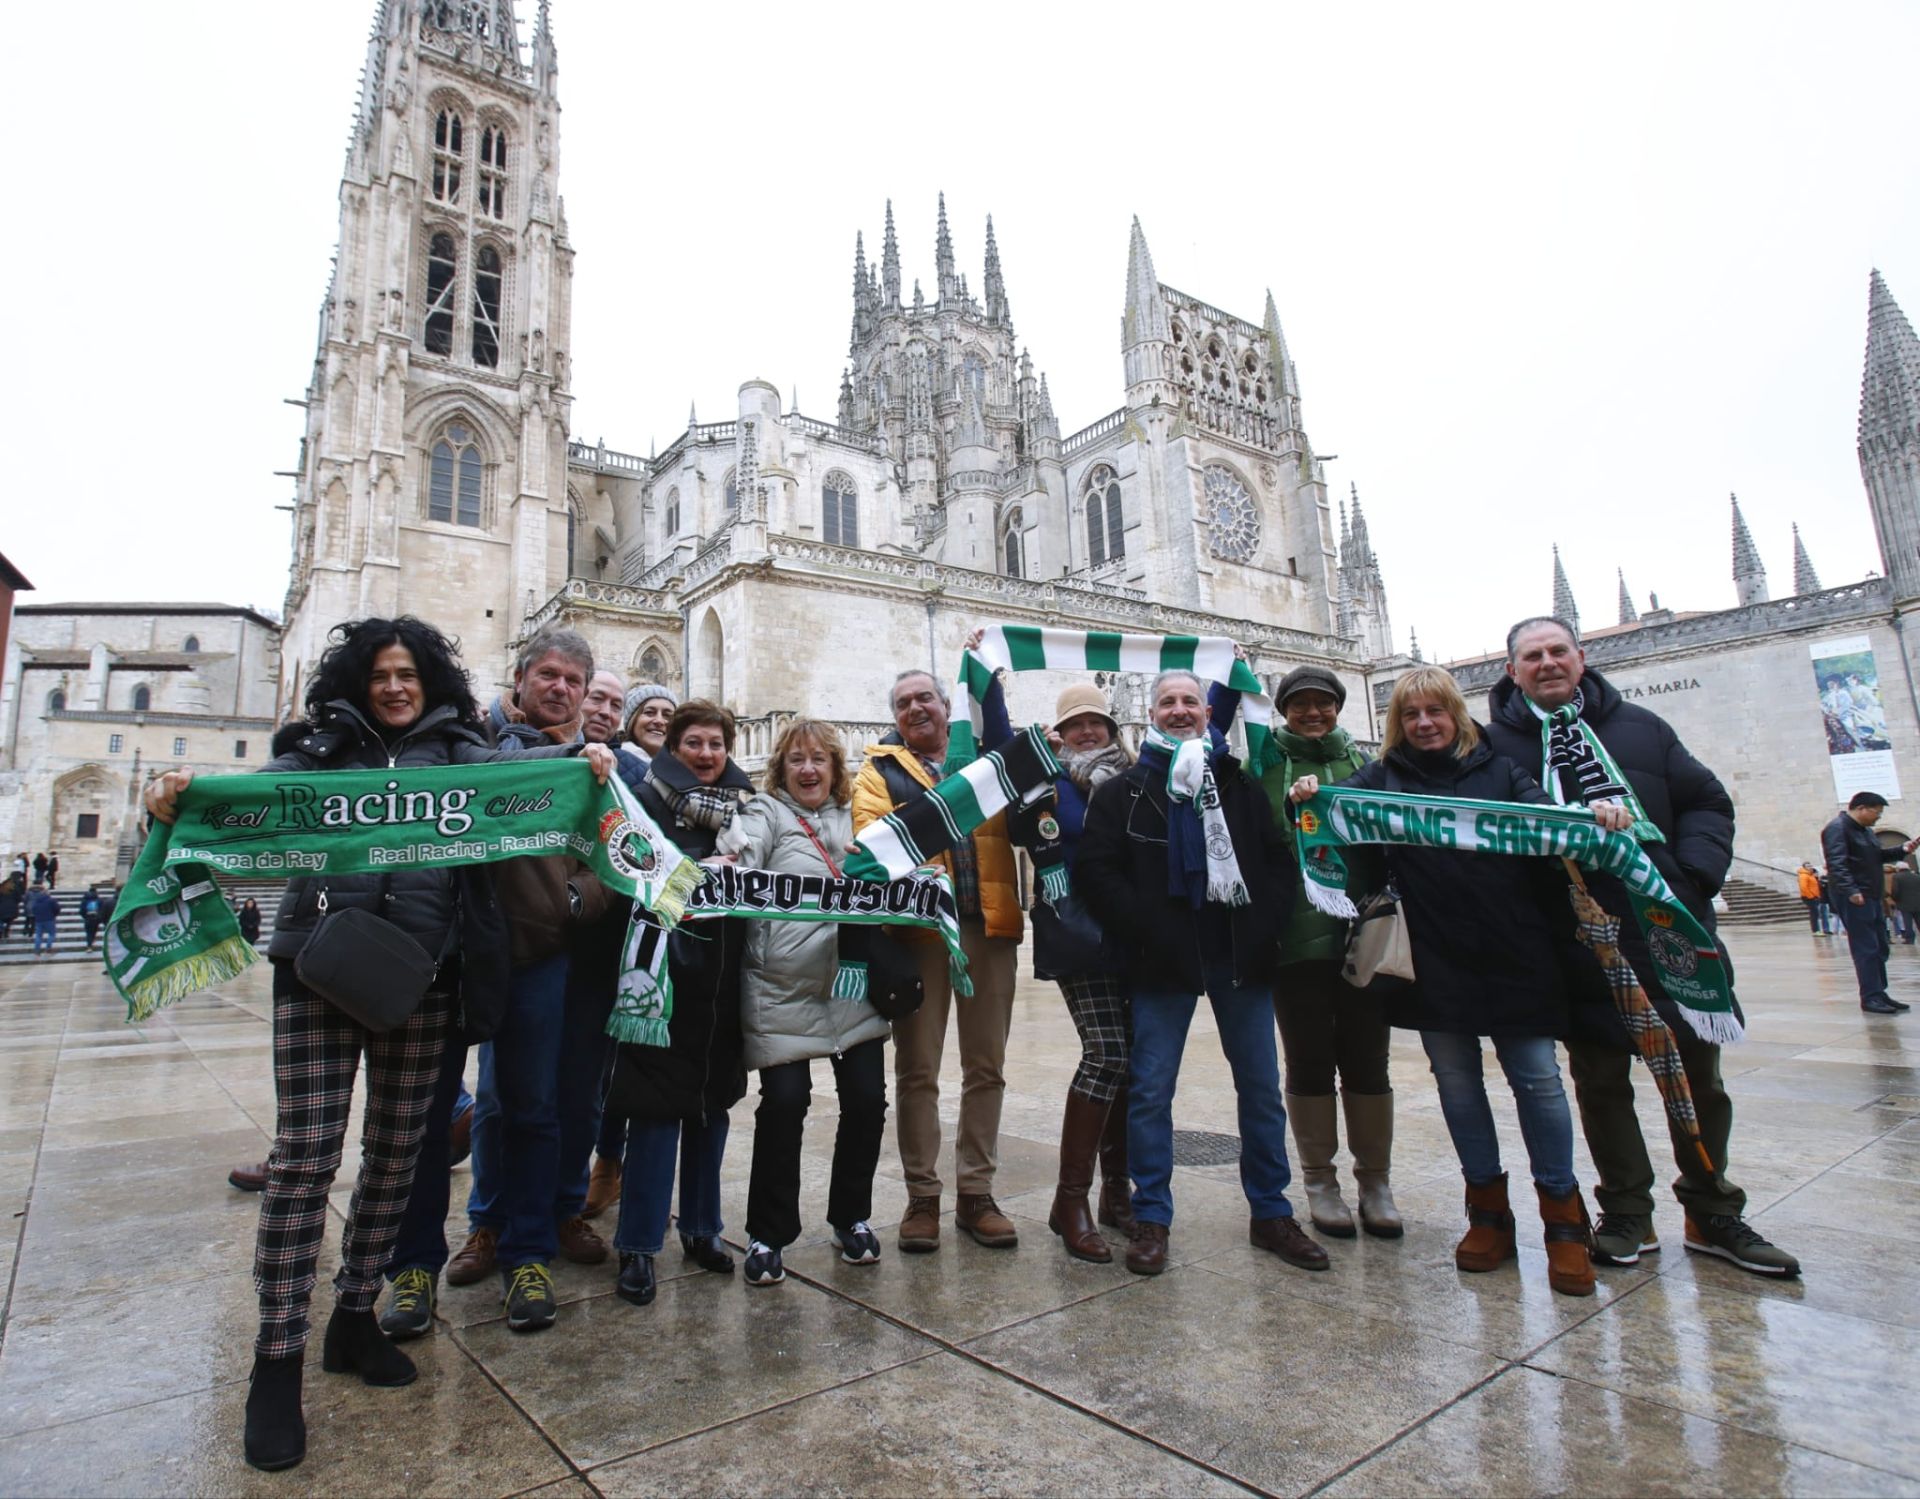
{"x":366,"y":967}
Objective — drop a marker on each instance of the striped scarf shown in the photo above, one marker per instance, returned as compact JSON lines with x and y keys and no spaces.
{"x":1200,"y":860}
{"x":1029,"y":648}
{"x":930,"y":825}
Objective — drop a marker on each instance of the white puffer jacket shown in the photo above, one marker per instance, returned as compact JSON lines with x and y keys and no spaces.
{"x":787,"y":1011}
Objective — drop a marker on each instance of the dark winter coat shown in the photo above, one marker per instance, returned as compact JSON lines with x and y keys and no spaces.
{"x":1068,"y":939}
{"x":1494,"y":951}
{"x":249,"y":915}
{"x":702,"y":1069}
{"x":1684,"y":799}
{"x":43,"y":907}
{"x":1856,"y":863}
{"x":1122,"y":870}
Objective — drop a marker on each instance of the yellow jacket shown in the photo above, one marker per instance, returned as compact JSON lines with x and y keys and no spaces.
{"x":999,"y":893}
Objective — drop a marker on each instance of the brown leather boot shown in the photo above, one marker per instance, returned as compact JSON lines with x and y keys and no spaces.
{"x":920,"y":1229}
{"x":1116,"y":1186}
{"x":249,"y":1178}
{"x":1286,"y":1238}
{"x":1147,"y":1249}
{"x":1569,"y":1238}
{"x":976,"y":1213}
{"x":1080,"y":1132}
{"x":579,"y":1243}
{"x":474,"y":1261}
{"x":1489,"y":1241}
{"x":603,"y":1187}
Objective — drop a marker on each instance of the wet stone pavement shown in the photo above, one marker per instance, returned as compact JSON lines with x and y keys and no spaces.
{"x":128,"y":1313}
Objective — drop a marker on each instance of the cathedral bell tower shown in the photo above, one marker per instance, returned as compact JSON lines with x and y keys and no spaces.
{"x":432,"y":476}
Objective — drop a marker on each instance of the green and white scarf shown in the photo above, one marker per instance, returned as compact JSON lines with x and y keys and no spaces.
{"x":173,"y":933}
{"x":1692,"y":968}
{"x":953,"y":807}
{"x":1191,"y":791}
{"x":1577,"y":771}
{"x":1030,"y":648}
{"x":923,"y":898}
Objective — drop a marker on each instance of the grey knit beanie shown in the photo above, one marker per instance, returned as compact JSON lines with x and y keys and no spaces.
{"x":642,"y":693}
{"x":1311,"y":679}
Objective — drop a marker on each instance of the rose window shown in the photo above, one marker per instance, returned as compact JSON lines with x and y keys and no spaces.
{"x":1235,"y":534}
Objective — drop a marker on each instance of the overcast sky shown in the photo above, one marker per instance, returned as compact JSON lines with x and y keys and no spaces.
{"x":1549,"y":273}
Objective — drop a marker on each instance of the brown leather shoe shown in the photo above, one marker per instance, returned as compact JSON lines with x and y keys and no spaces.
{"x":249,"y":1178}
{"x":579,"y":1243}
{"x":978,"y":1214}
{"x":1116,"y":1188}
{"x":1284,"y":1237}
{"x":1489,"y":1241}
{"x":1569,"y":1238}
{"x":1070,"y":1216}
{"x":603,"y":1187}
{"x":474,"y":1261}
{"x":920,"y":1229}
{"x":1147,"y":1249}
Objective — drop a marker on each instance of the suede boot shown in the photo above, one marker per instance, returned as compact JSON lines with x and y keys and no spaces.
{"x":1489,"y":1241}
{"x":1569,"y":1240}
{"x":1116,"y":1186}
{"x":276,"y":1431}
{"x":1316,"y":1136}
{"x":1370,"y":1141}
{"x":356,"y":1345}
{"x":1080,"y":1131}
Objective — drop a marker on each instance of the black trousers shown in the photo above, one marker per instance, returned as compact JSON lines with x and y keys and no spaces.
{"x":786,"y":1091}
{"x":1328,"y":1026}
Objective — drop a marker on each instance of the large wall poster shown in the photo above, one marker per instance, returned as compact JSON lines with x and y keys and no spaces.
{"x":1858,"y":748}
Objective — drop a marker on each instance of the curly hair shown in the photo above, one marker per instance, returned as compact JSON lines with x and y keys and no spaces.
{"x":699,"y":713}
{"x":826,"y":737}
{"x":346,"y":670}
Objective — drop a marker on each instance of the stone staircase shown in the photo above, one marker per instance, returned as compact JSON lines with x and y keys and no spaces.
{"x":1749,"y":904}
{"x":70,"y":933}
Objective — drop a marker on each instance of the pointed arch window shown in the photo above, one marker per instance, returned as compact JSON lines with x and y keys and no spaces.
{"x":493,"y":172}
{"x":839,"y":511}
{"x":449,"y":156}
{"x":442,"y":271}
{"x":142,"y":698}
{"x":454,"y":479}
{"x":191,"y":645}
{"x":733,"y":494}
{"x":1012,"y":555}
{"x":1106,"y":538}
{"x":56,"y":701}
{"x":486,"y":307}
{"x":670,"y":525}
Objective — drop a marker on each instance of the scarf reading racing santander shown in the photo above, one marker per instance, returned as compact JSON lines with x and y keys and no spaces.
{"x":1692,"y":969}
{"x":1028,"y":648}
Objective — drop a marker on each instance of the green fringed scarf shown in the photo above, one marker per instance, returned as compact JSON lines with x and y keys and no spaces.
{"x":1576,"y":769}
{"x":1029,"y":648}
{"x":1692,"y":968}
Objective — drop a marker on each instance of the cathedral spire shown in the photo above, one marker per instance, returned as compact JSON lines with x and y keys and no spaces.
{"x":1362,"y":545}
{"x":1563,"y":604}
{"x":998,"y":309}
{"x":1628,"y":614}
{"x":1413,"y":646}
{"x":1283,"y":370}
{"x":1749,"y":574}
{"x":1805,"y":579}
{"x":863,"y":308}
{"x":546,"y":57}
{"x":943,"y":256}
{"x":1889,"y":439}
{"x":890,"y":263}
{"x":1146,"y":318}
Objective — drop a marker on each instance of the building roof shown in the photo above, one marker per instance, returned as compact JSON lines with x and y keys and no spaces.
{"x":137,"y":606}
{"x":12,"y":577}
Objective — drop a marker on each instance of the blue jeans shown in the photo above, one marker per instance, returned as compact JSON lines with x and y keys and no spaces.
{"x":646,"y":1187}
{"x":421,"y":1243}
{"x":43,"y":936}
{"x":516,"y":1118}
{"x":1533,"y":1072}
{"x":1244,"y":1014}
{"x":1867,"y":940}
{"x":585,"y":1049}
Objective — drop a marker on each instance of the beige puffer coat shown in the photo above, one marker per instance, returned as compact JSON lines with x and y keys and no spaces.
{"x":787,"y":1011}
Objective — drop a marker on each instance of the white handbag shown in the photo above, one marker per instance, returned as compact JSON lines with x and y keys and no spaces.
{"x":1379,"y":950}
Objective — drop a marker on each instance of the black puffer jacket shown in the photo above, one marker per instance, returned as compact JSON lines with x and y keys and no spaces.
{"x":1685,"y":800}
{"x":418,"y":901}
{"x":1494,"y":951}
{"x":702,"y":1069}
{"x":1121,"y":869}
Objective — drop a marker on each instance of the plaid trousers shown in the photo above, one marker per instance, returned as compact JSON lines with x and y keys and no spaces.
{"x":316,"y":1051}
{"x":1098,"y":1005}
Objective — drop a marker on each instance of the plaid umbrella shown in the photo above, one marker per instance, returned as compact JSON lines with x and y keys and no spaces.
{"x":1651,"y":1037}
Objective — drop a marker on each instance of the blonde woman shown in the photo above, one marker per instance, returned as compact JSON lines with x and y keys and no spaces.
{"x":1494,"y":956}
{"x":800,"y":825}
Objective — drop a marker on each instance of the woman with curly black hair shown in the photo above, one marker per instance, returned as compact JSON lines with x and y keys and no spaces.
{"x":388,"y":693}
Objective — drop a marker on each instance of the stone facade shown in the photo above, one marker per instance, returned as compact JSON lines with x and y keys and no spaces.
{"x":773,"y":560}
{"x":99,"y":697}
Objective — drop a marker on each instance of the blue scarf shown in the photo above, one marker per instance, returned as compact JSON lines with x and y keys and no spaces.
{"x":1186,"y":840}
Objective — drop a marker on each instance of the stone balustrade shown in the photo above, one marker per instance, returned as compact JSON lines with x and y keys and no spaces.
{"x":604,"y":460}
{"x":1113,"y":421}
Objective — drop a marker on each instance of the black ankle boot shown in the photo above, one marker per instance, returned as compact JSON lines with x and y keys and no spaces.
{"x":708,"y":1251}
{"x":356,"y":1345}
{"x":276,"y":1430}
{"x":636,"y":1283}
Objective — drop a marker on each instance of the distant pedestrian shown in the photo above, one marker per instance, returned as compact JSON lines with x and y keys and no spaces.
{"x":45,"y":913}
{"x":1906,"y":901}
{"x":53,"y":869}
{"x":1814,"y":894}
{"x":39,"y":868}
{"x":90,"y":914}
{"x":249,"y":914}
{"x":1855,"y":861}
{"x":10,"y":898}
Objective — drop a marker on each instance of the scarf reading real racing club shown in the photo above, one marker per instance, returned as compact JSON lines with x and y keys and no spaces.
{"x":173,"y":933}
{"x":1692,"y":970}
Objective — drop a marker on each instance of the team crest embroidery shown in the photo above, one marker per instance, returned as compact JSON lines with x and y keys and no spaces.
{"x":627,"y":849}
{"x":1049,"y":826}
{"x":1309,"y":823}
{"x":1673,"y":952}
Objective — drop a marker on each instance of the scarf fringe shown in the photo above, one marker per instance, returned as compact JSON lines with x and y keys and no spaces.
{"x":1056,"y":883}
{"x":189,"y":975}
{"x":1330,"y":902}
{"x":849,"y":982}
{"x":670,"y":904}
{"x":1718,"y":1027}
{"x":639,"y":1030}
